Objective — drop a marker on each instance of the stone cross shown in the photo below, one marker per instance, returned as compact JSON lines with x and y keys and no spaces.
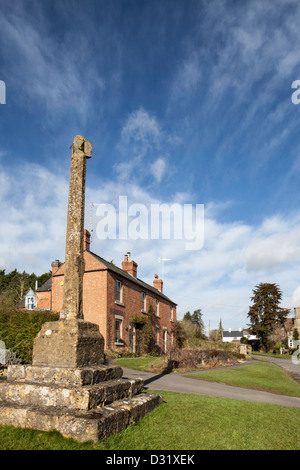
{"x":74,"y":263}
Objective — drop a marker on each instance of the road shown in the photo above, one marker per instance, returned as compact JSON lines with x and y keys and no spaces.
{"x":178,"y":383}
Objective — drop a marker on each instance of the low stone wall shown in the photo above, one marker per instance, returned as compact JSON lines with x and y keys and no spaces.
{"x":197,"y":358}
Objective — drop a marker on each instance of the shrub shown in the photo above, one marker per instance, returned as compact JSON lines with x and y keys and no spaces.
{"x":19,"y":328}
{"x":277,"y":348}
{"x":197,"y":358}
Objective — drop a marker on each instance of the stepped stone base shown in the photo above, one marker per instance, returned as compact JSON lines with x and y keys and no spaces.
{"x":92,"y":425}
{"x":87,"y":403}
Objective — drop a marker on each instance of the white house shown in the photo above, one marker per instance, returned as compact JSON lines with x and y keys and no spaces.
{"x":236,"y":335}
{"x":29,"y":300}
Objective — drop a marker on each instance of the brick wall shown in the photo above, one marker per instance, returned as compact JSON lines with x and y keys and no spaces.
{"x":43,"y":300}
{"x":100,"y":306}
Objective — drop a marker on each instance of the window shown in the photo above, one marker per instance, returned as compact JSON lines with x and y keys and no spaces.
{"x":118,"y":334}
{"x":171,"y":313}
{"x":143,"y":298}
{"x":156,"y":335}
{"x":118,"y":291}
{"x":30,"y":303}
{"x":156,"y":307}
{"x":165,"y":339}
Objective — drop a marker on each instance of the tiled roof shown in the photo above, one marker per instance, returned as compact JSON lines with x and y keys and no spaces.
{"x":47,"y":286}
{"x":232,"y":333}
{"x":124,"y":274}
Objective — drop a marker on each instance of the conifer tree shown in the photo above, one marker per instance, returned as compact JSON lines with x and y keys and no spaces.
{"x":265,"y":312}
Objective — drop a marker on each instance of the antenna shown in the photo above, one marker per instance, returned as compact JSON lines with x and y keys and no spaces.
{"x":162,"y":261}
{"x":91,"y":216}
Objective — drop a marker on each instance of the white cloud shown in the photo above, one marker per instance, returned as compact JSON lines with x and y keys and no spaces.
{"x":142,"y":128}
{"x":44,"y":71}
{"x":141,"y":139}
{"x":158,"y":169}
{"x":187,"y":77}
{"x":218,"y":279}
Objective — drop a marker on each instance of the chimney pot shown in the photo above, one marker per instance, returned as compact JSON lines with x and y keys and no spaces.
{"x":55,"y":265}
{"x":158,"y":283}
{"x":129,"y":265}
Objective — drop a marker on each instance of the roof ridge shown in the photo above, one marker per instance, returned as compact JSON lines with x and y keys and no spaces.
{"x":128,"y":276}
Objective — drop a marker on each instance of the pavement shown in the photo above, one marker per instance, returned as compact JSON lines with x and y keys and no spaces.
{"x":176,"y":382}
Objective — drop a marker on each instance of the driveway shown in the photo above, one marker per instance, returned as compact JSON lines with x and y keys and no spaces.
{"x":175,"y":382}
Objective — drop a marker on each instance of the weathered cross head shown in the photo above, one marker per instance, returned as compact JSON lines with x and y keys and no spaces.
{"x":80,"y":144}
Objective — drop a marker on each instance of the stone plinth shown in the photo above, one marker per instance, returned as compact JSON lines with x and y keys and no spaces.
{"x":87,"y":403}
{"x":68,"y":343}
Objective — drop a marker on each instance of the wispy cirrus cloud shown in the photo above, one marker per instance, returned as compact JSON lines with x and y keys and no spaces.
{"x":44,"y":70}
{"x":143,"y":147}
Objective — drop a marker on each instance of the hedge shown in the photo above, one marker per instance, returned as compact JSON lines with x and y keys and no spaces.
{"x":19,"y":328}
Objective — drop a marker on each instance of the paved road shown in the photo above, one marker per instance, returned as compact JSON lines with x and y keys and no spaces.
{"x":177,"y":383}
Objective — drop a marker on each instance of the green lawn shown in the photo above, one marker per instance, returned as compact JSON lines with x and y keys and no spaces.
{"x":139,"y":363}
{"x":184,"y":422}
{"x":260,"y":376}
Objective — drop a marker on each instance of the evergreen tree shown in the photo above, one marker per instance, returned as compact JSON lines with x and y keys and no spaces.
{"x":265,"y":312}
{"x":198,"y":322}
{"x":187,"y":316}
{"x":220,"y":331}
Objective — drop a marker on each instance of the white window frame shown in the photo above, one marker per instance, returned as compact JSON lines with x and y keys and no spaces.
{"x":119,"y":318}
{"x":157,"y":307}
{"x":143,"y":300}
{"x":157,"y":336}
{"x":118,"y":292}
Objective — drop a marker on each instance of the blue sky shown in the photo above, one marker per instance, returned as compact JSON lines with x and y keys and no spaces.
{"x":185,"y":102}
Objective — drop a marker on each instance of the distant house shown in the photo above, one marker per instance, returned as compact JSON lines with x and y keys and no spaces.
{"x":29,"y":301}
{"x":230,"y":335}
{"x":38,"y":298}
{"x":292,"y":324}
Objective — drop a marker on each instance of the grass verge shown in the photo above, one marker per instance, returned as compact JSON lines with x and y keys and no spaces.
{"x":260,"y":376}
{"x":183,"y":422}
{"x":139,"y":363}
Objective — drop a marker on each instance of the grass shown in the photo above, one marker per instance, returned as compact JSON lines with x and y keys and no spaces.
{"x":139,"y":363}
{"x":260,"y":376}
{"x":270,"y":354}
{"x":183,"y":422}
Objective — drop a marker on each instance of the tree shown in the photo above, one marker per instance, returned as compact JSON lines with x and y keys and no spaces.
{"x":193,"y":324}
{"x":187,"y":316}
{"x":220,"y":330}
{"x":265,"y":313}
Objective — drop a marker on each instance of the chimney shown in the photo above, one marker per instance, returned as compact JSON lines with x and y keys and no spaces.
{"x":158,"y":283}
{"x":86,"y":240}
{"x":129,"y":265}
{"x":55,"y":265}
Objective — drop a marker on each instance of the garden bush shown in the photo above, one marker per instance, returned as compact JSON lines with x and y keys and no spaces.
{"x":19,"y":328}
{"x":197,"y":358}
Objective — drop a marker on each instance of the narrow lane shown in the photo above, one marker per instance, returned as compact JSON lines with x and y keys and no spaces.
{"x":178,"y":383}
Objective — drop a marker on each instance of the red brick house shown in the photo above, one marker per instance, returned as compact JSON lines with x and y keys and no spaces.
{"x":111,"y":297}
